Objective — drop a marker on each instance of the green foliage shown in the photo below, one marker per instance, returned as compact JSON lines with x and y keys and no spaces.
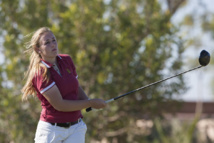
{"x":116,"y":46}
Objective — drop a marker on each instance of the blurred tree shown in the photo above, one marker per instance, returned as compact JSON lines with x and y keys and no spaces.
{"x":117,"y":46}
{"x":173,"y":5}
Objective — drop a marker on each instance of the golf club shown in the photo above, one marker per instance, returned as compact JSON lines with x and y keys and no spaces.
{"x":204,"y":60}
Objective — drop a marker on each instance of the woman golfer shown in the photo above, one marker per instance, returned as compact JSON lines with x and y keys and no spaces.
{"x":53,"y":79}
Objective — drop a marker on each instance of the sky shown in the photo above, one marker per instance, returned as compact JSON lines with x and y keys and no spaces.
{"x":199,"y":80}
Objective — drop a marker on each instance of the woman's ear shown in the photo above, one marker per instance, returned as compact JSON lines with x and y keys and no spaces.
{"x":38,"y":50}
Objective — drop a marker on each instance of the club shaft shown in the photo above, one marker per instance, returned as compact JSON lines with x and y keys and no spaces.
{"x":118,"y":97}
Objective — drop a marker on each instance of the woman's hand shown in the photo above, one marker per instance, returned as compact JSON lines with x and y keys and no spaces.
{"x":97,"y":103}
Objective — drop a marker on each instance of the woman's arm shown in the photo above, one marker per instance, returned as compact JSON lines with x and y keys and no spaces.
{"x":55,"y":99}
{"x":81,"y":94}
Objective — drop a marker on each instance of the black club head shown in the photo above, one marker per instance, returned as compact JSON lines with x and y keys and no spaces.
{"x":204,"y":58}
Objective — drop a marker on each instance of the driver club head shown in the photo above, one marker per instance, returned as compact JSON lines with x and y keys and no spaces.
{"x":204,"y":58}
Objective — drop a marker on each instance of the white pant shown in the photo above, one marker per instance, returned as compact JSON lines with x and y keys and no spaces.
{"x":47,"y":133}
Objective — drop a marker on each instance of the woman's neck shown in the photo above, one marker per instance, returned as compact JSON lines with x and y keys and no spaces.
{"x":50,"y":60}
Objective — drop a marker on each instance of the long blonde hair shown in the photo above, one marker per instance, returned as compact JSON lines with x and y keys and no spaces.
{"x":35,"y":63}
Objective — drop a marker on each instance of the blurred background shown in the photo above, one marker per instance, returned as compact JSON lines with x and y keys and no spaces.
{"x":117,"y":46}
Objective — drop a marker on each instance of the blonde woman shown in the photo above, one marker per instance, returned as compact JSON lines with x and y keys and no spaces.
{"x":52,"y":78}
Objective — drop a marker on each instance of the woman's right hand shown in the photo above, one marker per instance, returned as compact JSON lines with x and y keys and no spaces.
{"x":97,"y":103}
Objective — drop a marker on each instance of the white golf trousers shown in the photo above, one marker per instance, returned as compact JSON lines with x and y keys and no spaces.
{"x":47,"y":133}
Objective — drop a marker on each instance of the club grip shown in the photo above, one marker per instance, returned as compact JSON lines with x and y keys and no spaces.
{"x":88,"y":109}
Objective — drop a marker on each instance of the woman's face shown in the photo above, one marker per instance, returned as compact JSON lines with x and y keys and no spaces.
{"x":48,"y":46}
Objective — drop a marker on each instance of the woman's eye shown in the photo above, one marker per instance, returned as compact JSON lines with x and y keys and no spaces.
{"x":47,"y":43}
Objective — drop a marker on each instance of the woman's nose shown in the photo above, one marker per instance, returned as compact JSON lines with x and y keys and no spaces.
{"x":53,"y":44}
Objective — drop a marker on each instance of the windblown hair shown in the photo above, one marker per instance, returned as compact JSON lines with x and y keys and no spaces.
{"x":35,"y":63}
